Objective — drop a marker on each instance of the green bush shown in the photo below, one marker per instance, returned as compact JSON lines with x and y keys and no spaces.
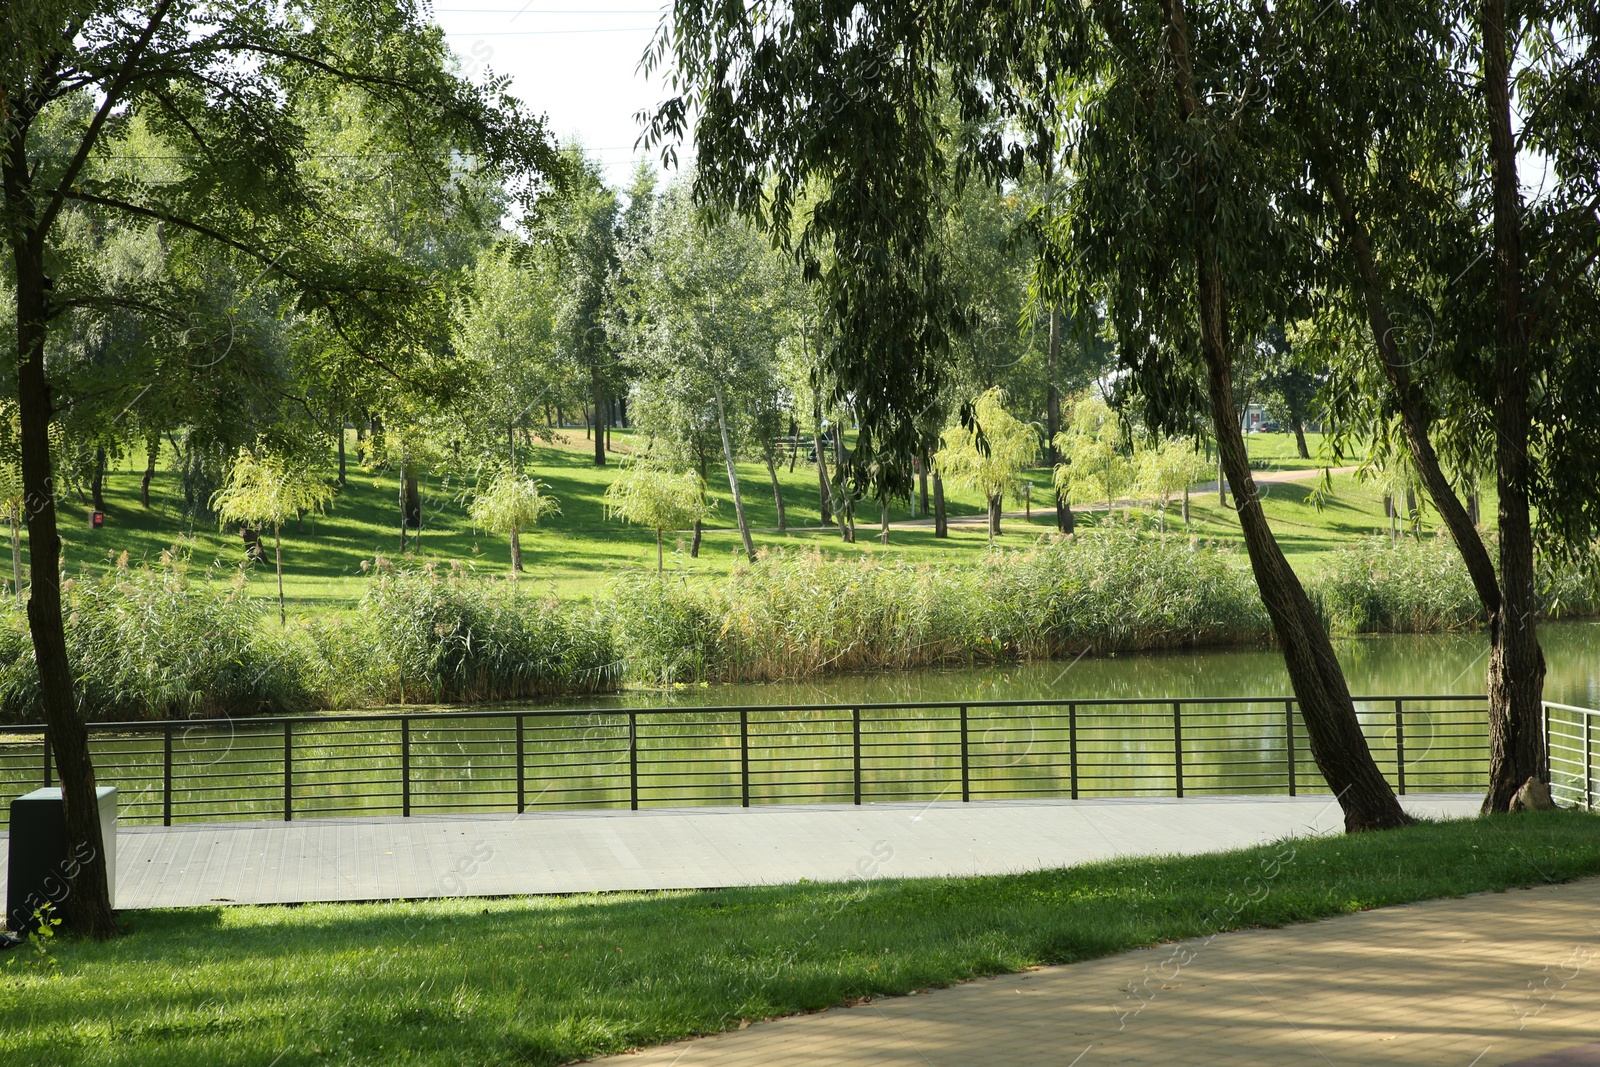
{"x":150,"y":642}
{"x":1409,"y":587}
{"x":427,"y":636}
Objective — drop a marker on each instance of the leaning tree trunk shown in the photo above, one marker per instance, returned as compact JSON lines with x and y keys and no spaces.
{"x":1337,"y":743}
{"x":733,"y":481}
{"x":1300,"y":439}
{"x":824,"y":490}
{"x":1517,"y":745}
{"x":777,"y":495}
{"x":597,"y":387}
{"x":87,"y":904}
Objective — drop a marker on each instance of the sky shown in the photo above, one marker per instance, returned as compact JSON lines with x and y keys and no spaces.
{"x":574,"y":60}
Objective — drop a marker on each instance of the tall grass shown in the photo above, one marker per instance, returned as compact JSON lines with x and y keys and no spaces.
{"x":156,"y":642}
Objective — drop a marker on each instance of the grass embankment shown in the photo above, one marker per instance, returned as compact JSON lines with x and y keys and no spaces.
{"x":550,"y":980}
{"x":577,"y":552}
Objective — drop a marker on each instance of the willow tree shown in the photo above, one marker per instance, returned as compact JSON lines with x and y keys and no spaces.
{"x":1170,"y":218}
{"x":654,"y":496}
{"x":265,"y":489}
{"x":1473,"y":276}
{"x":223,"y":86}
{"x":992,"y":455}
{"x":511,"y":504}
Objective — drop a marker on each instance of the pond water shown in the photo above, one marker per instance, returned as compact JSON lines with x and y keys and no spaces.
{"x":693,"y":750}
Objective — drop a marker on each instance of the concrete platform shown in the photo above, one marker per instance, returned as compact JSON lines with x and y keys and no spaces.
{"x":586,"y":851}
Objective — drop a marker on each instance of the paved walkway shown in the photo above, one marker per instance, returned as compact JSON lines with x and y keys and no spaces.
{"x":1492,"y":979}
{"x":586,"y":851}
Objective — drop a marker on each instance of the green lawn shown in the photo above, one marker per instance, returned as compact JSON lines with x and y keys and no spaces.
{"x":577,"y":551}
{"x":549,"y":980}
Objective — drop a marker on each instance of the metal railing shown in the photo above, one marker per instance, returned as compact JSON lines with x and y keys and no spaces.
{"x":1571,"y":736}
{"x":502,"y":760}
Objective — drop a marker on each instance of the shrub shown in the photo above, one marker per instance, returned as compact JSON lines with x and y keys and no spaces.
{"x":149,"y":642}
{"x":445,"y":637}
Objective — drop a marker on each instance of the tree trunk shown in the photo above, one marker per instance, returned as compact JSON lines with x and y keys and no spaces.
{"x":1517,"y":749}
{"x":1066,"y":522}
{"x":922,"y":486}
{"x":941,"y":521}
{"x":152,"y":450}
{"x":1052,"y":395}
{"x":995,"y":503}
{"x":694,"y":543}
{"x":413,"y":500}
{"x":1222,"y":480}
{"x":16,"y":551}
{"x":883,"y":524}
{"x":660,"y":566}
{"x":1185,"y":507}
{"x":87,"y":904}
{"x":516,"y":552}
{"x":824,"y":489}
{"x":1300,"y":439}
{"x":733,"y":481}
{"x":97,"y":490}
{"x":777,"y":495}
{"x":597,"y":388}
{"x":1337,"y":743}
{"x":277,"y":544}
{"x":838,"y":446}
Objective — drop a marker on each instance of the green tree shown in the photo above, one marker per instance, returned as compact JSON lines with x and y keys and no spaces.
{"x":510,"y":505}
{"x":991,"y":457}
{"x":1169,"y":468}
{"x":265,"y":489}
{"x":1171,"y":224}
{"x":1095,"y":462}
{"x":649,"y":494}
{"x":222,"y":87}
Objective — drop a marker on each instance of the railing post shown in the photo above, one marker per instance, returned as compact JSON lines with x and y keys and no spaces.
{"x":405,"y":766}
{"x":1588,"y":762}
{"x":1177,"y":745}
{"x":166,"y":775}
{"x":966,"y":793}
{"x":855,"y":722}
{"x":44,"y":744}
{"x":522,"y":797}
{"x":744,"y":758}
{"x":633,"y":760}
{"x":1072,"y":746}
{"x":1400,"y":746}
{"x":288,"y":770}
{"x":1288,"y":740}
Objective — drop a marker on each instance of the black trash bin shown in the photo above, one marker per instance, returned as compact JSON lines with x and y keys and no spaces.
{"x":41,"y":858}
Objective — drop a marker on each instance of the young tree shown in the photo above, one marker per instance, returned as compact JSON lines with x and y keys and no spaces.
{"x":1095,"y":464}
{"x":510,"y":505}
{"x":1172,"y":467}
{"x":649,"y":494}
{"x":993,"y":462}
{"x":265,"y":489}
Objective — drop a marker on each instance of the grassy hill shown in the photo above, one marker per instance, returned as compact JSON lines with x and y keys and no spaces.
{"x":576,"y":552}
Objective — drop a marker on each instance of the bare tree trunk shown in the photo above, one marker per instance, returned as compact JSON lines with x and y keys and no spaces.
{"x":516,"y":552}
{"x":151,"y":452}
{"x":694,"y":544}
{"x":1517,"y":749}
{"x":1052,"y":396}
{"x":941,"y":521}
{"x":1066,"y":522}
{"x":1300,"y":439}
{"x":733,"y":481}
{"x":777,"y":495}
{"x":16,"y":551}
{"x":824,"y":489}
{"x":1337,"y":743}
{"x":995,"y":504}
{"x":597,"y":387}
{"x":87,"y":905}
{"x":97,"y":489}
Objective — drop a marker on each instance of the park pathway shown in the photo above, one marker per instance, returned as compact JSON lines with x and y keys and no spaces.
{"x":1499,"y":978}
{"x":392,"y":858}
